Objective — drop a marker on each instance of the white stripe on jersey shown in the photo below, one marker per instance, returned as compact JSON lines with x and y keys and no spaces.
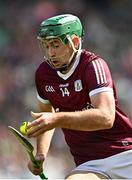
{"x":96,"y":72}
{"x":103,"y":71}
{"x":99,"y":72}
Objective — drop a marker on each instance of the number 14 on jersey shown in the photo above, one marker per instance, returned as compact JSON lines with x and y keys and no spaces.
{"x":64,"y":91}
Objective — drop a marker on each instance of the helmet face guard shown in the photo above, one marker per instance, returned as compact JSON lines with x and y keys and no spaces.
{"x":45,"y":54}
{"x":62,"y":27}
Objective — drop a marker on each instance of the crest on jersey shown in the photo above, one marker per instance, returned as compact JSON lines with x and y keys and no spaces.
{"x":78,"y":85}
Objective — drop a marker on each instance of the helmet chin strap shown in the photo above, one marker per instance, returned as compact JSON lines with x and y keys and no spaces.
{"x":64,"y":67}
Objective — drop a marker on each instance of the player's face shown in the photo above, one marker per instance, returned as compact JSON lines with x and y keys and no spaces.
{"x":56,"y":52}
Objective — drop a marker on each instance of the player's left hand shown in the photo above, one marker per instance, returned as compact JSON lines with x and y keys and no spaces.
{"x":43,"y":122}
{"x":37,"y":170}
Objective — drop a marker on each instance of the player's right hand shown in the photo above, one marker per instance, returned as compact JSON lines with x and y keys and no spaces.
{"x":36,"y":170}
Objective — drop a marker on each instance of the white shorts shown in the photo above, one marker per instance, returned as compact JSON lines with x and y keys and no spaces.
{"x":118,"y":166}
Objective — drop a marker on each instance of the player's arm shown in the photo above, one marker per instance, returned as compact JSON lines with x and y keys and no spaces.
{"x":100,"y":117}
{"x":44,"y":140}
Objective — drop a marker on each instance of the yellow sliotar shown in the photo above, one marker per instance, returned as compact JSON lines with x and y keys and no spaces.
{"x":23,"y":128}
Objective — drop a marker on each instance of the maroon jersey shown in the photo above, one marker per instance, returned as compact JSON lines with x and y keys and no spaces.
{"x":71,"y":92}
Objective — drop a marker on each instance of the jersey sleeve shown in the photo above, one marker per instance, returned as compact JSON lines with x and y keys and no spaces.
{"x":98,"y":77}
{"x":39,"y":87}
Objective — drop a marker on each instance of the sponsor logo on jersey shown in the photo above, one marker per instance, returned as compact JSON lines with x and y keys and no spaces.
{"x":49,"y":88}
{"x":78,"y":85}
{"x":64,"y":85}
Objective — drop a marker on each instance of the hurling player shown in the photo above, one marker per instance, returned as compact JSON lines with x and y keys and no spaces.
{"x":76,"y":92}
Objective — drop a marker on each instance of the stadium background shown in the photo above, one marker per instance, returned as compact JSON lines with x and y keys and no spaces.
{"x":108,"y":32}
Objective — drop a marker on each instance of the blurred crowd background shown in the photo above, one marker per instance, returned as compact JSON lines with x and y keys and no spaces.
{"x":108,"y":32}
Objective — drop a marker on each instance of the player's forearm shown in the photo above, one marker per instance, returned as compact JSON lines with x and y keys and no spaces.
{"x":88,"y":120}
{"x":43,"y":142}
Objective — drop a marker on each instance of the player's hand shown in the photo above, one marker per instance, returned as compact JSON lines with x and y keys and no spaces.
{"x":36,"y":170}
{"x":43,"y":122}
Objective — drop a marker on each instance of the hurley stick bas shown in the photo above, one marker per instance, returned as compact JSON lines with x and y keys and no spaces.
{"x":28,"y":147}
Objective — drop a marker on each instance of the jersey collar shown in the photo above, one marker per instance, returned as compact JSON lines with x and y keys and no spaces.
{"x":68,"y":74}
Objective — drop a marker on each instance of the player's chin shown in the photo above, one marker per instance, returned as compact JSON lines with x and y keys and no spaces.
{"x":57,"y":66}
